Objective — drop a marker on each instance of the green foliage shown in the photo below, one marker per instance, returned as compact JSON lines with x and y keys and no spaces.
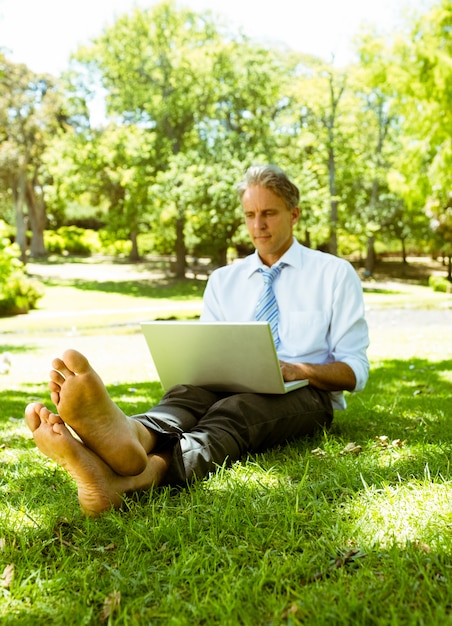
{"x":147,"y":245}
{"x":191,"y":105}
{"x":73,"y":240}
{"x":423,"y":79}
{"x":54,"y":242}
{"x":440,"y":283}
{"x":18,"y":293}
{"x":200,"y":199}
{"x":111,"y":245}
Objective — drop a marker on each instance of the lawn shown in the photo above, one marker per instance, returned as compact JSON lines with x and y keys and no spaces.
{"x":351,"y":527}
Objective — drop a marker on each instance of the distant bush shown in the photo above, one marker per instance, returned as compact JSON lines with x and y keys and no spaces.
{"x":113,"y":246}
{"x":440,"y":283}
{"x":18,"y":293}
{"x":146,"y":243}
{"x":54,"y":243}
{"x":72,"y":240}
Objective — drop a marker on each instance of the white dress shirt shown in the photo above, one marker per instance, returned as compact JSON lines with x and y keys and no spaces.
{"x":321,"y":308}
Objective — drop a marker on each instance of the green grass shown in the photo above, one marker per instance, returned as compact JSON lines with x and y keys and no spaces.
{"x":316,"y":532}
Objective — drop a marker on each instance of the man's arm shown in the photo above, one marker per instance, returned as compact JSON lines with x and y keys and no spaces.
{"x":336,"y":376}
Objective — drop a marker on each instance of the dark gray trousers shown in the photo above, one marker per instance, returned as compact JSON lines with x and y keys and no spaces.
{"x":206,"y":429}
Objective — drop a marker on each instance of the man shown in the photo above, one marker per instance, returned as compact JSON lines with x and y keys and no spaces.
{"x":317,"y":314}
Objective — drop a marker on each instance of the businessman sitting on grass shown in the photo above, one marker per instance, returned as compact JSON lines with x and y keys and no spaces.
{"x":313,"y":302}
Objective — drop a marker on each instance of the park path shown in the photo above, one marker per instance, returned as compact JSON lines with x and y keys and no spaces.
{"x":409,"y":317}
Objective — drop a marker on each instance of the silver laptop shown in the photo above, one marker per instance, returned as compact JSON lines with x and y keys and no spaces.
{"x":221,"y":356}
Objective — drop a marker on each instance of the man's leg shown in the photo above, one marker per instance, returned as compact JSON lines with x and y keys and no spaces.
{"x":204,"y":429}
{"x":178,"y":413}
{"x":84,"y":404}
{"x":99,"y":487}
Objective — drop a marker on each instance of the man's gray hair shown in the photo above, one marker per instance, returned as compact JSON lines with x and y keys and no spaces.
{"x":273,"y":178}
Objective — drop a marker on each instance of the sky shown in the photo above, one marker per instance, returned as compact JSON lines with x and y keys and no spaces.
{"x":43,"y":33}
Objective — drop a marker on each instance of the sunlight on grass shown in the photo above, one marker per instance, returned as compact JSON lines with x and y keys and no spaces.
{"x":25,"y":484}
{"x":409,"y":512}
{"x":250,"y":475}
{"x":20,"y":518}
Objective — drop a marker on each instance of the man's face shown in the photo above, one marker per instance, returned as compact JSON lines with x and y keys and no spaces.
{"x":269,"y":222}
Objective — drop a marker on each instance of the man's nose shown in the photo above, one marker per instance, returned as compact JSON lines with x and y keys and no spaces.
{"x":259,"y":222}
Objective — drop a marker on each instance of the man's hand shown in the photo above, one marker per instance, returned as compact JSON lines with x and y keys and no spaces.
{"x":292,"y":371}
{"x":329,"y":376}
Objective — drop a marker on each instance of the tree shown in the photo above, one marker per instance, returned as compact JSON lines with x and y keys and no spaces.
{"x":111,"y":171}
{"x":198,"y":201}
{"x":31,"y":112}
{"x":18,"y":293}
{"x":249,"y":82}
{"x":191,"y":91}
{"x":377,"y":132}
{"x":155,"y":66}
{"x":424,"y":80}
{"x":321,"y":125}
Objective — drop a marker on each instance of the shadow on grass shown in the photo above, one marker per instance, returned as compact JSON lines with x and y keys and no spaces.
{"x":157,"y":289}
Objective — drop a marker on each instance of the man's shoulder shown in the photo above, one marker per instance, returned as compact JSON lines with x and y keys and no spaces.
{"x":237,"y":266}
{"x":323,"y":258}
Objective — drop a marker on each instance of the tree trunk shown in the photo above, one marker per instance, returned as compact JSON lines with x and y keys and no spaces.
{"x":404,"y":259}
{"x":180,"y":249}
{"x":370,"y":258}
{"x":221,"y":257}
{"x":38,"y":219}
{"x":21,"y":227}
{"x":332,"y":244}
{"x":329,"y":121}
{"x":134,"y":253}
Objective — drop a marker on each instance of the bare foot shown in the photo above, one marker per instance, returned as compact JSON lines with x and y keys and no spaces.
{"x":83,"y":403}
{"x":99,"y":487}
{"x":94,"y":479}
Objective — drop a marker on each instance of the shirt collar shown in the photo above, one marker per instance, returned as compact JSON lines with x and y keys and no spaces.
{"x":290,"y":257}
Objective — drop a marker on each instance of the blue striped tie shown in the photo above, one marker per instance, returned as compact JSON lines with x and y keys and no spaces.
{"x":267,"y":307}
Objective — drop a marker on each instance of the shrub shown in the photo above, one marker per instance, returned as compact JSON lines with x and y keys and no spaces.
{"x":54,"y":242}
{"x":440,"y":283}
{"x":113,"y":246}
{"x":146,"y":243}
{"x":72,"y":240}
{"x":18,"y":293}
{"x":79,"y":241}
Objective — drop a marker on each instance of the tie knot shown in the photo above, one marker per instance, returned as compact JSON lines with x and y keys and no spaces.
{"x":270,"y":273}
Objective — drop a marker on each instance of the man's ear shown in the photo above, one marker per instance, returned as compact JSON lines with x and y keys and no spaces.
{"x":295,"y":215}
